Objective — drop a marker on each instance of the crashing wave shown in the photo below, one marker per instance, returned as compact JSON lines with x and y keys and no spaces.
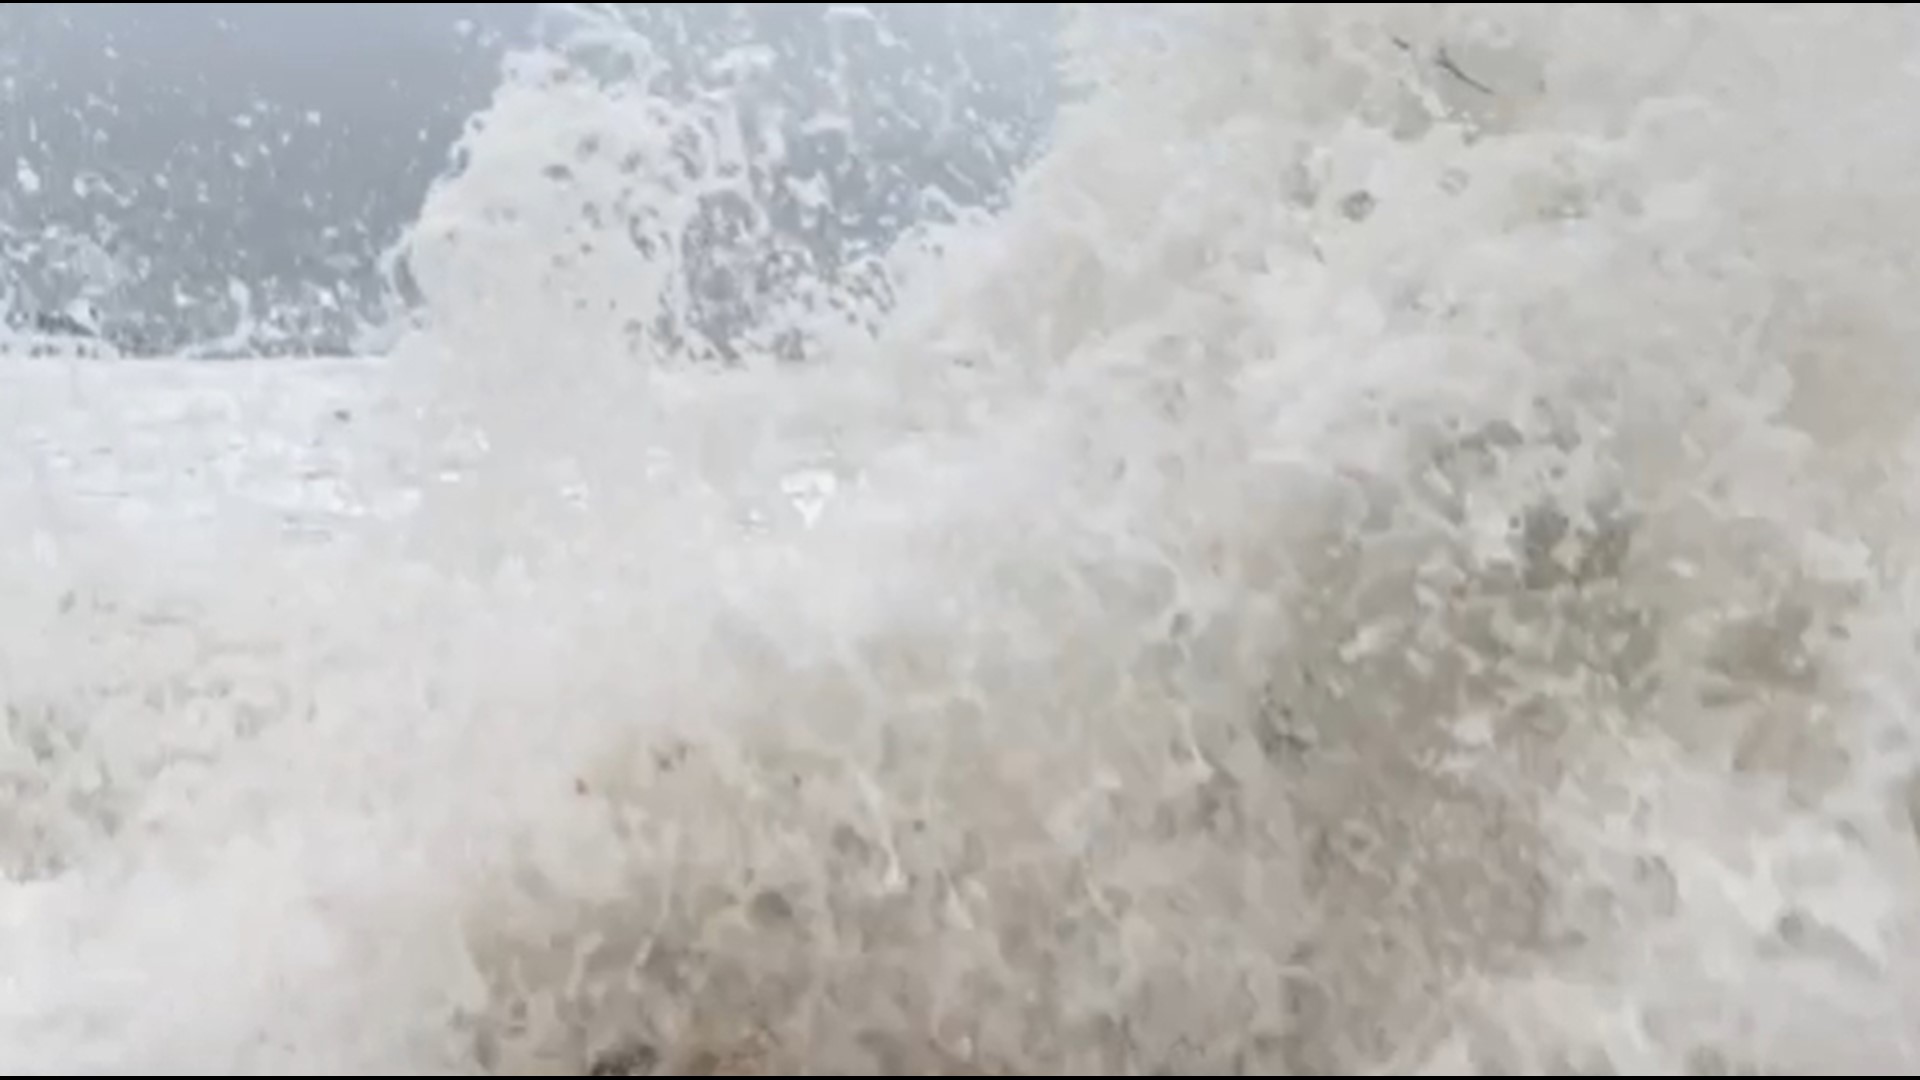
{"x":1390,"y":553}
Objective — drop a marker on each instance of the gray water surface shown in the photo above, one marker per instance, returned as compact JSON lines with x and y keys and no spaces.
{"x":223,"y":179}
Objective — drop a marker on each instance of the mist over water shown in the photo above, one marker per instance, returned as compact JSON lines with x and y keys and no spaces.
{"x":1388,"y":549}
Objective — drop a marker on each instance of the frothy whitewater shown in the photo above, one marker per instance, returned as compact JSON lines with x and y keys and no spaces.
{"x":1393,"y":553}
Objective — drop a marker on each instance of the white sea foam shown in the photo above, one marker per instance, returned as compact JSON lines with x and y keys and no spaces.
{"x":1392,"y":554}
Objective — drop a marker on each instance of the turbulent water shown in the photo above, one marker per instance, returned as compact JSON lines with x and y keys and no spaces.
{"x":1392,"y":553}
